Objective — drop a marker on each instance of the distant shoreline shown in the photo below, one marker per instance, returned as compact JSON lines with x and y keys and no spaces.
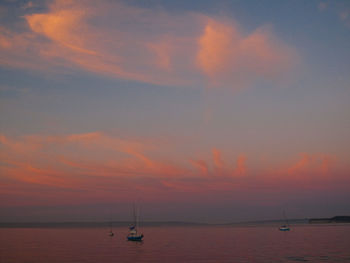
{"x":335,"y":219}
{"x":92,"y":224}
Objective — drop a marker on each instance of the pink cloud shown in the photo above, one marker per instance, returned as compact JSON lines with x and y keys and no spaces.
{"x":241,"y":168}
{"x":103,"y":166}
{"x":201,"y":165}
{"x":312,"y":164}
{"x":163,"y":54}
{"x":227,"y":55}
{"x":327,"y":162}
{"x":217,"y":158}
{"x":305,"y":161}
{"x":122,"y":41}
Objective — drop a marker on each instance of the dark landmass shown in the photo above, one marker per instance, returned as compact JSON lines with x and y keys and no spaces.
{"x":92,"y":224}
{"x":270,"y":222}
{"x":335,"y":219}
{"x":106,"y":224}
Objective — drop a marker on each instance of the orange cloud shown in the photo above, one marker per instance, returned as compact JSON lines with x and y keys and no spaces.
{"x":200,"y":165}
{"x":62,"y":26}
{"x":217,"y":158}
{"x":225,"y":54}
{"x":5,"y":42}
{"x":163,"y":51}
{"x":215,"y":47}
{"x":305,"y":161}
{"x":312,"y":164}
{"x":122,"y":41}
{"x":97,"y":166}
{"x":241,"y":165}
{"x":109,"y":51}
{"x":326,"y":163}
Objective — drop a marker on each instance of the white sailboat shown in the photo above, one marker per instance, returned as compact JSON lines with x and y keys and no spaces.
{"x":285,"y":227}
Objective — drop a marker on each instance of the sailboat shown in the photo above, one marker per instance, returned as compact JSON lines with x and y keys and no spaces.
{"x":111,"y":231}
{"x":110,"y":226}
{"x":285,"y":227}
{"x":133,"y":233}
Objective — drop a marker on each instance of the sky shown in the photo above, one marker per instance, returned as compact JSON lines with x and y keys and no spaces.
{"x":208,"y":111}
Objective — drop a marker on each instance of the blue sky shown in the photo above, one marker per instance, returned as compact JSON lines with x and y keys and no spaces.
{"x":230,"y":93}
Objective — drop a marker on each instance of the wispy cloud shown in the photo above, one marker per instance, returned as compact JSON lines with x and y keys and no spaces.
{"x":217,"y":158}
{"x":241,"y":167}
{"x":312,"y":163}
{"x":105,"y":165}
{"x":146,"y":45}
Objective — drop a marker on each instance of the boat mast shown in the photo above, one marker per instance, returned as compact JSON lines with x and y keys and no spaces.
{"x":135,"y":217}
{"x":137,"y":221}
{"x":285,"y":218}
{"x":110,"y":221}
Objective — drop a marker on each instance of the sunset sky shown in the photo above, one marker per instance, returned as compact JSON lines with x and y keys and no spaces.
{"x":212,"y":111}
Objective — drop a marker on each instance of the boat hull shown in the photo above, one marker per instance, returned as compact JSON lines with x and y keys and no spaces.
{"x":284,"y":228}
{"x":134,"y":238}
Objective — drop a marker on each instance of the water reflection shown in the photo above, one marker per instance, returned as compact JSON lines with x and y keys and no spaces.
{"x":198,"y":244}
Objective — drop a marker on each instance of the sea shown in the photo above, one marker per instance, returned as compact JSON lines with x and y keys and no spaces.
{"x":261,"y":243}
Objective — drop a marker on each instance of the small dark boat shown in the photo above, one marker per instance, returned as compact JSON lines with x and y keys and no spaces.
{"x":138,"y":238}
{"x":133,"y":234}
{"x":111,"y":229}
{"x":135,"y":237}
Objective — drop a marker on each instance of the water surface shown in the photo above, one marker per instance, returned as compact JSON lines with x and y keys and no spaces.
{"x":304,"y":243}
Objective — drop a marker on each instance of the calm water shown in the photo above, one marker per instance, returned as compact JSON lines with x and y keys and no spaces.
{"x":177,"y":244}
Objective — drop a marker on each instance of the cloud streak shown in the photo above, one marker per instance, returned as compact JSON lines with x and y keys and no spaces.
{"x":146,"y":45}
{"x":96,"y":166}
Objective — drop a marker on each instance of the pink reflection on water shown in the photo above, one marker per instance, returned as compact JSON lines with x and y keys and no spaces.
{"x":177,"y":244}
